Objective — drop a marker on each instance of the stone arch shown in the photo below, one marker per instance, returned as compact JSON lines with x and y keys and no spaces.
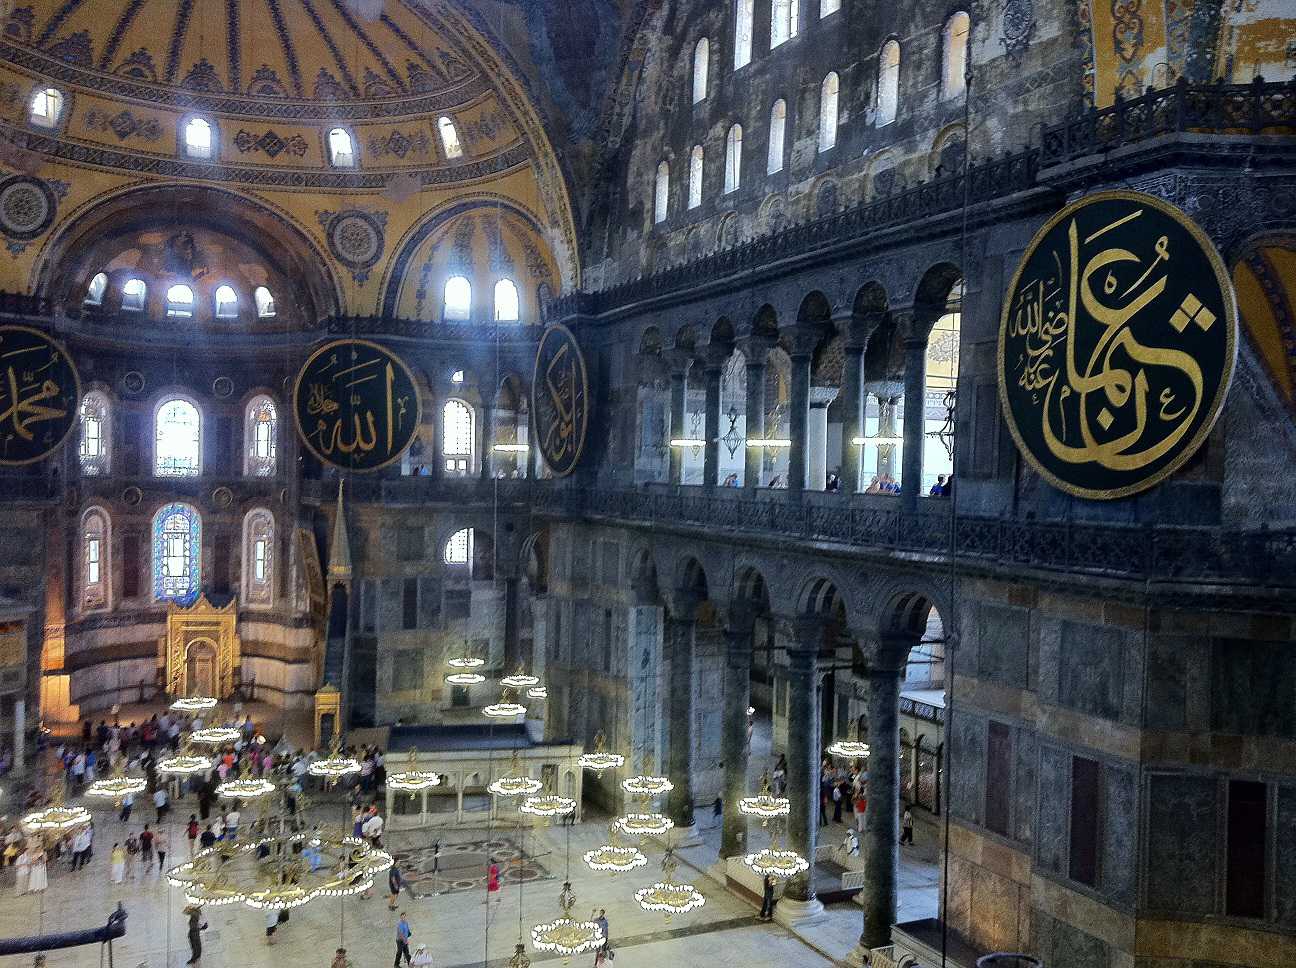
{"x":533,"y":558}
{"x":815,"y":309}
{"x":934,"y":290}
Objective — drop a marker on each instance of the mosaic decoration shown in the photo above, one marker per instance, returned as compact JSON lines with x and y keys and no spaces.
{"x":1018,"y":25}
{"x":177,"y":554}
{"x":124,"y":125}
{"x":27,"y":208}
{"x":560,"y":399}
{"x":356,"y":405}
{"x":269,"y":143}
{"x":40,"y":392}
{"x":355,"y":238}
{"x":398,"y":144}
{"x":1117,"y":344}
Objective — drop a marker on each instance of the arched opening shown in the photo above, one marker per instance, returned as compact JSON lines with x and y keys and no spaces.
{"x":177,"y":553}
{"x":777,"y":130}
{"x":695,"y":177}
{"x":457,"y":303}
{"x":226,"y":302}
{"x":828,"y":92}
{"x":260,"y":438}
{"x":258,"y":558}
{"x":457,"y":437}
{"x":661,"y":193}
{"x":733,"y":159}
{"x":954,"y":51}
{"x":506,"y":301}
{"x":96,"y":572}
{"x":177,"y":439}
{"x":701,"y":55}
{"x":888,"y":90}
{"x":341,"y":148}
{"x":94,"y":449}
{"x":450,"y":143}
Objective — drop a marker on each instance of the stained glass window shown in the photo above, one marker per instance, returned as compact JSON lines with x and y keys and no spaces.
{"x":457,"y":427}
{"x":178,"y":439}
{"x":93,"y":452}
{"x":177,"y":550}
{"x":259,"y":447}
{"x":258,"y":557}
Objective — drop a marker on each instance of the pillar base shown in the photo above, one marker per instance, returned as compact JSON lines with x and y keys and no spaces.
{"x":793,"y":914}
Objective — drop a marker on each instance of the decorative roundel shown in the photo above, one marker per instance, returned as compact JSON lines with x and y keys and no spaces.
{"x":356,"y":239}
{"x":132,"y":496}
{"x":222,"y":497}
{"x":222,"y":387}
{"x":40,"y":393}
{"x":133,"y":382}
{"x":560,"y":399}
{"x":26,"y":207}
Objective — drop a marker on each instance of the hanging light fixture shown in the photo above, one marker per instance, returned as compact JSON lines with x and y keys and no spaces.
{"x":615,"y":858}
{"x":516,"y":783}
{"x":245,"y":788}
{"x":765,"y":805}
{"x":505,"y":708}
{"x":335,"y":766}
{"x":669,"y":896}
{"x":599,"y":760}
{"x":782,"y":864}
{"x":849,"y":749}
{"x":56,"y":817}
{"x":194,"y":704}
{"x":411,"y":779}
{"x":519,"y":959}
{"x":465,"y":661}
{"x":538,"y":692}
{"x":465,"y":678}
{"x":215,"y":735}
{"x":547,"y":806}
{"x":519,"y":680}
{"x":565,"y":936}
{"x":643,"y":824}
{"x":647,"y":786}
{"x":184,"y":763}
{"x":118,"y":786}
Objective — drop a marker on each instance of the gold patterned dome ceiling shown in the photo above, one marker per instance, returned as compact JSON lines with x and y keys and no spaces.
{"x":259,"y":51}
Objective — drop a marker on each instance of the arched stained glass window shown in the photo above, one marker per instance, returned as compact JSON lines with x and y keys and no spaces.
{"x":177,"y":553}
{"x":661,"y":193}
{"x":95,"y":574}
{"x":177,"y":440}
{"x":260,"y":438}
{"x":828,"y":112}
{"x":93,"y":451}
{"x":888,"y":97}
{"x":744,"y":11}
{"x":341,"y":148}
{"x":258,"y":557}
{"x":95,"y":291}
{"x":695,"y":177}
{"x":506,"y":301}
{"x":777,"y":129}
{"x":954,"y":43}
{"x":458,"y":299}
{"x":701,"y":57}
{"x":457,"y":436}
{"x":180,"y":301}
{"x":133,"y":294}
{"x":458,"y":550}
{"x":733,"y":159}
{"x":226,"y":303}
{"x":449,"y":138}
{"x":265,"y":306}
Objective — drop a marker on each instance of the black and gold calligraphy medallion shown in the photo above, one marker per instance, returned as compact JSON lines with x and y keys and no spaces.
{"x":560,"y":400}
{"x":1116,"y":344}
{"x":39,"y":395}
{"x":356,"y":405}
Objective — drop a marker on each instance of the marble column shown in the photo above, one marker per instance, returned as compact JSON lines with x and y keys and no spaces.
{"x":799,"y":404}
{"x":512,"y":648}
{"x":754,"y":459}
{"x":915,"y":405}
{"x":853,"y":420}
{"x":799,"y":905}
{"x":737,"y":699}
{"x":437,"y":470}
{"x":678,"y":387}
{"x":487,"y":439}
{"x":711,"y":450}
{"x":679,"y":750}
{"x":882,"y":820}
{"x":817,"y":444}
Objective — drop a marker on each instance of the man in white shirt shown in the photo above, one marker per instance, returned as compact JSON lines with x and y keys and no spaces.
{"x":373,"y":828}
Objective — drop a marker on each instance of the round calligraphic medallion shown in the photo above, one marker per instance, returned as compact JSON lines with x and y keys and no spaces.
{"x":560,"y":400}
{"x":356,"y":405}
{"x":40,"y":391}
{"x":1116,"y":345}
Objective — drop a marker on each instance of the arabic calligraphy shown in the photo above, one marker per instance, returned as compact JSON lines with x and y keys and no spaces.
{"x":39,"y":394}
{"x":560,"y":400}
{"x":1116,"y":345}
{"x":356,"y":405}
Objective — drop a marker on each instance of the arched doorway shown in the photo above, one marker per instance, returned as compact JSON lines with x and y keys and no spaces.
{"x":201,"y":668}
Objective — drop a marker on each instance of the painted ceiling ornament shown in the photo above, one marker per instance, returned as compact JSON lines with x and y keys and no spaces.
{"x":355,"y":237}
{"x":27,"y":208}
{"x":1018,"y":26}
{"x":1117,"y":344}
{"x":40,"y":391}
{"x":560,"y":399}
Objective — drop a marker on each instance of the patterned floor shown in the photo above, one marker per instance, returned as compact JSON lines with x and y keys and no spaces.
{"x":463,"y":866}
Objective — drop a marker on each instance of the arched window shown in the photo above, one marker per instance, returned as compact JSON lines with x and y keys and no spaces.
{"x":827,"y":7}
{"x":506,"y":301}
{"x":260,"y":438}
{"x":940,"y":377}
{"x":95,"y":291}
{"x":258,"y":557}
{"x":888,"y":97}
{"x":265,"y":306}
{"x":777,"y":128}
{"x":449,"y":138}
{"x":133,"y":293}
{"x":177,"y":440}
{"x":95,"y":574}
{"x":341,"y":150}
{"x":695,"y":177}
{"x":701,"y":55}
{"x":94,"y":434}
{"x":457,"y":436}
{"x":744,"y":11}
{"x":177,"y":552}
{"x":458,"y":550}
{"x":180,"y":301}
{"x":198,"y":138}
{"x":226,"y":302}
{"x":46,"y":108}
{"x":661,"y":193}
{"x":783,"y":21}
{"x":954,"y":44}
{"x":458,"y":299}
{"x":457,"y":377}
{"x":733,"y":159}
{"x":828,"y":112}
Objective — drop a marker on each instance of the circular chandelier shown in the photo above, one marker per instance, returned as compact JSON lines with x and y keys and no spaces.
{"x":647,"y":786}
{"x":215,"y":735}
{"x":519,"y":680}
{"x":547,"y":806}
{"x":670,"y":898}
{"x":465,"y":662}
{"x":567,"y":936}
{"x":504,"y":710}
{"x":765,"y":805}
{"x":849,"y":749}
{"x":335,"y":765}
{"x":643,"y":824}
{"x":245,"y":788}
{"x":412,"y":779}
{"x":599,"y":760}
{"x":184,"y":763}
{"x":194,"y":704}
{"x":515,"y":786}
{"x":117,"y":786}
{"x":465,"y":678}
{"x":777,"y":863}
{"x":538,"y":692}
{"x":612,"y":857}
{"x":57,"y":818}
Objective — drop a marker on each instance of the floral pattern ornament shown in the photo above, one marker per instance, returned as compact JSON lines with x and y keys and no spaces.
{"x":355,"y":237}
{"x":27,"y":209}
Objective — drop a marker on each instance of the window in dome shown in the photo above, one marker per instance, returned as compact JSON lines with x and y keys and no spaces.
{"x":180,"y":301}
{"x":744,"y":11}
{"x":457,"y":376}
{"x":198,"y":138}
{"x":178,"y":440}
{"x":258,"y":557}
{"x":95,"y":291}
{"x":955,"y":44}
{"x":695,"y":177}
{"x":661,"y":193}
{"x":783,"y":21}
{"x":259,"y":435}
{"x":449,"y":138}
{"x":777,"y":127}
{"x":827,"y":7}
{"x":95,"y":542}
{"x":93,"y":451}
{"x":458,"y":299}
{"x":264,"y":302}
{"x":457,"y":436}
{"x":828,"y":112}
{"x":177,"y":552}
{"x":506,"y":302}
{"x":46,"y":107}
{"x":133,"y":293}
{"x":341,"y":149}
{"x":888,"y":97}
{"x":733,"y":159}
{"x":458,"y":550}
{"x":226,"y":303}
{"x":701,"y":56}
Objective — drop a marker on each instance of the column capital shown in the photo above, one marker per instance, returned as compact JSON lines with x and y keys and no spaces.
{"x":755,"y":346}
{"x":804,"y":338}
{"x":713,"y":358}
{"x":677,"y":361}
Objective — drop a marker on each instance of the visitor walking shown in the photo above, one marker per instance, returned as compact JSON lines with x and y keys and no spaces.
{"x":23,"y":870}
{"x":161,"y":841}
{"x":767,"y":899}
{"x":394,"y":884}
{"x":128,"y":802}
{"x":403,"y":933}
{"x":600,"y":956}
{"x":191,"y":833}
{"x":36,"y":882}
{"x":492,"y":881}
{"x":81,"y":844}
{"x":195,"y":939}
{"x":161,"y":803}
{"x":906,"y":828}
{"x":118,"y":860}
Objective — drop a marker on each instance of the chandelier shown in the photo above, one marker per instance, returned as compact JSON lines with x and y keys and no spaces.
{"x":647,"y":786}
{"x":335,"y":766}
{"x":194,"y":704}
{"x":538,"y":692}
{"x":56,"y":817}
{"x":118,"y":786}
{"x":615,"y":858}
{"x":245,"y":788}
{"x":547,"y":806}
{"x":184,"y":763}
{"x":849,"y":749}
{"x":215,"y":735}
{"x":505,"y":708}
{"x":643,"y":824}
{"x":519,"y":959}
{"x":599,"y":760}
{"x":519,"y":680}
{"x":411,"y":779}
{"x":765,"y":805}
{"x":515,"y":786}
{"x":465,"y":678}
{"x":465,"y":661}
{"x":669,"y":896}
{"x":777,"y":863}
{"x":566,"y":936}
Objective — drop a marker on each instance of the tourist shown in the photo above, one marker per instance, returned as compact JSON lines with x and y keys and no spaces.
{"x":128,"y":802}
{"x":850,"y":844}
{"x":146,"y":848}
{"x":81,"y":845}
{"x":394,"y":884}
{"x":78,"y":770}
{"x":492,"y":881}
{"x":90,"y":761}
{"x":861,"y":808}
{"x":373,"y":828}
{"x":906,"y":828}
{"x":160,"y":803}
{"x":833,"y":485}
{"x":600,"y":956}
{"x":232,"y":818}
{"x":191,"y":833}
{"x":195,"y":940}
{"x":767,"y":898}
{"x":780,"y":774}
{"x":36,"y":881}
{"x":208,"y":838}
{"x":403,"y":933}
{"x":117,"y":860}
{"x":132,"y":849}
{"x":23,"y":870}
{"x":272,"y":916}
{"x":161,"y":842}
{"x":730,"y":481}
